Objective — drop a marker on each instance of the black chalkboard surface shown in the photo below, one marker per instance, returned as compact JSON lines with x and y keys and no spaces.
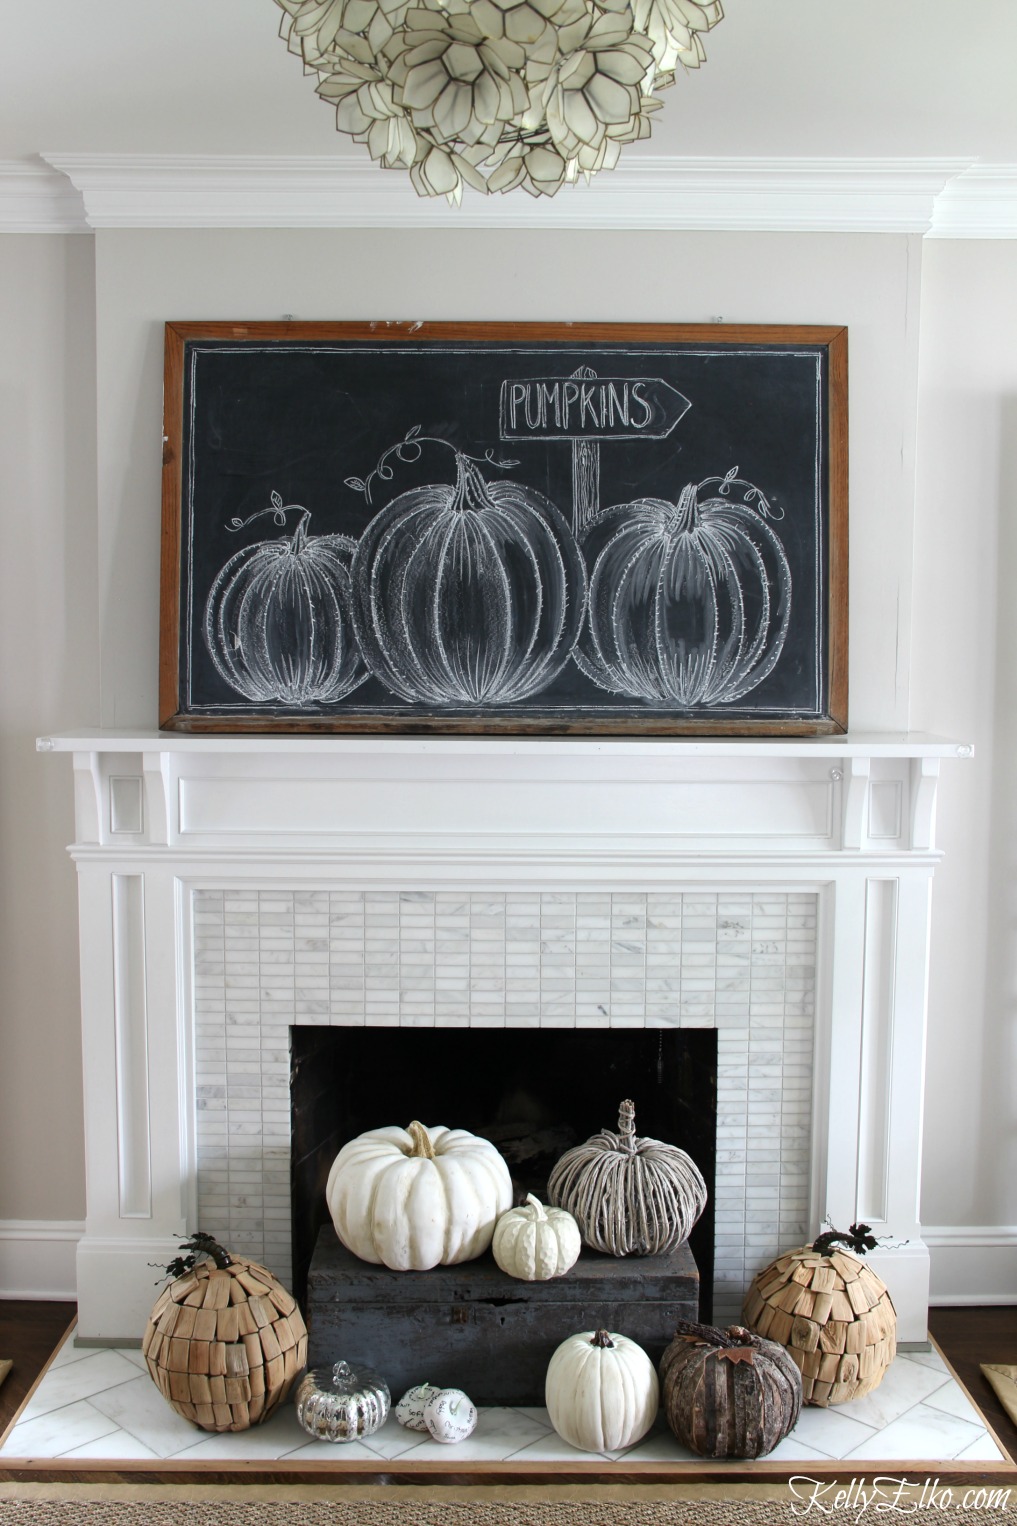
{"x":504,"y":528}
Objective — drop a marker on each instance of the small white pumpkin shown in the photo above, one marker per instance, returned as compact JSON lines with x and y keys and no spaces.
{"x":410,"y":1409}
{"x":419,"y":1197}
{"x":601,"y":1391}
{"x":535,"y":1243}
{"x":450,"y":1416}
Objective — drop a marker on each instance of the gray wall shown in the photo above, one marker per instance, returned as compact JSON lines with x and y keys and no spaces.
{"x":79,"y":474}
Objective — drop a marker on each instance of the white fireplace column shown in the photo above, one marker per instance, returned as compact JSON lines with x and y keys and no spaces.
{"x":159,"y":817}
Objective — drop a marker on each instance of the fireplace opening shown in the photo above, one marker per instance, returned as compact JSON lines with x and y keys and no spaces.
{"x":533,"y":1093}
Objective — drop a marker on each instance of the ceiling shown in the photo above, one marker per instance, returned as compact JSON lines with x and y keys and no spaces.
{"x":885,"y":78}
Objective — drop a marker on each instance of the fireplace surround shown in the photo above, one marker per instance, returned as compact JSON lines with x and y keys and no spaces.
{"x":606,"y":883}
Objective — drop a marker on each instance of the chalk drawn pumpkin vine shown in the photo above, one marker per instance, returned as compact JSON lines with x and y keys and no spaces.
{"x":278,"y":623}
{"x":469,"y":593}
{"x":689,"y":602}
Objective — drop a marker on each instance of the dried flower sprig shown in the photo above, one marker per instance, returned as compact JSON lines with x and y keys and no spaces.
{"x":200,"y":1247}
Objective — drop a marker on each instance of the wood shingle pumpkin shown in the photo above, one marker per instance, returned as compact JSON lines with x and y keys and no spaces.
{"x":225,"y":1341}
{"x":831,"y":1312}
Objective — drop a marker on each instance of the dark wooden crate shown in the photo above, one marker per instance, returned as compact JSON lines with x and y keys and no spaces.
{"x":472,"y":1327}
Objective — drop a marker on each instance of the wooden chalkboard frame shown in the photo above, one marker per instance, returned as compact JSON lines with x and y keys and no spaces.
{"x":206,"y":627}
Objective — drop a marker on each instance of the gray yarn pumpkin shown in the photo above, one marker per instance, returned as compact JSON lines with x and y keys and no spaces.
{"x":629,"y":1196}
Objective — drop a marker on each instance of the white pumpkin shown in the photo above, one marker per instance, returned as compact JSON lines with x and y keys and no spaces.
{"x":535,"y":1243}
{"x":410,"y":1409}
{"x":419,"y":1197}
{"x":450,"y":1416}
{"x":601,"y":1391}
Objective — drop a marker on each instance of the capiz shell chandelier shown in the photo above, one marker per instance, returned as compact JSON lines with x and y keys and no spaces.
{"x":496,"y":93}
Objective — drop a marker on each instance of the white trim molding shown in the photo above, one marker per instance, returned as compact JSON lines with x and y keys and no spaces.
{"x":37,"y":199}
{"x":938,"y":198}
{"x":816,"y":195}
{"x":37,"y":1258}
{"x":981,"y":203}
{"x":972,"y":1264}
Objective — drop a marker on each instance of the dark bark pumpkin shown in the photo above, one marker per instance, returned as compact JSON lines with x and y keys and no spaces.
{"x":728,"y":1393}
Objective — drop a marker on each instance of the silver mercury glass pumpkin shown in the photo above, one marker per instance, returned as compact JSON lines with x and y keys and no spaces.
{"x":355,"y":1403}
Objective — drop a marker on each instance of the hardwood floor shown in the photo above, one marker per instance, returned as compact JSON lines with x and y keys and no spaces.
{"x":968,"y":1337}
{"x":30,"y":1331}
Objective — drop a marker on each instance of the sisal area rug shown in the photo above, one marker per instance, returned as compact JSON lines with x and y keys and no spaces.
{"x":613,"y":1505}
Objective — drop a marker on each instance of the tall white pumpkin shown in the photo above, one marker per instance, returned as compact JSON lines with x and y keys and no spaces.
{"x":419,"y":1197}
{"x":601,"y":1391}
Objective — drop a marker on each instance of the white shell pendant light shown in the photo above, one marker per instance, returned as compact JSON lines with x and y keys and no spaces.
{"x":496,"y":93}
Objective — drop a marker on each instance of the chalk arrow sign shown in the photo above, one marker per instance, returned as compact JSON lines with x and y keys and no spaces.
{"x":586,"y":410}
{"x":585,"y":406}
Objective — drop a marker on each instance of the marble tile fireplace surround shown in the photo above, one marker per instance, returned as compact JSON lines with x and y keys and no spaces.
{"x":234,"y":887}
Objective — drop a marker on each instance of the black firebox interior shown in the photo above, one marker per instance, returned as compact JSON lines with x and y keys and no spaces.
{"x":533,"y":1093}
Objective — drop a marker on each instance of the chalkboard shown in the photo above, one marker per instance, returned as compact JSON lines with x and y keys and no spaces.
{"x":504,"y":528}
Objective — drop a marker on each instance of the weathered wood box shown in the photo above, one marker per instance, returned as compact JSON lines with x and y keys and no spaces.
{"x":472,"y":1327}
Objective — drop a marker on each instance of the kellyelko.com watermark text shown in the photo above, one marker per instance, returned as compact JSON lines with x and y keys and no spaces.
{"x":883,"y":1495}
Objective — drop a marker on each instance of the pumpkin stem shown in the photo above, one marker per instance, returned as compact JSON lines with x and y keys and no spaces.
{"x":627,"y":1125}
{"x":422,"y":1146}
{"x":536,"y":1205}
{"x":471,"y":489}
{"x":602,"y":1339}
{"x":200,"y":1246}
{"x":299,"y":540}
{"x":687,"y":509}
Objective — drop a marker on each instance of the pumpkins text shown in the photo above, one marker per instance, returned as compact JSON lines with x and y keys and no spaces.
{"x":602,"y":408}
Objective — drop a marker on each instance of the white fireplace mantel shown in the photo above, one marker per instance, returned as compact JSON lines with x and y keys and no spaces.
{"x":161,"y":817}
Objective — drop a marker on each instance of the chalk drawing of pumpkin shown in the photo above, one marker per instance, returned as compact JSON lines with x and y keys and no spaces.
{"x":689,"y":602}
{"x":466,"y":594}
{"x":278,"y":622}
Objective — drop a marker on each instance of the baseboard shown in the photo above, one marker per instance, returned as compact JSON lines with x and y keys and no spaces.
{"x":972,"y":1265}
{"x":37,"y":1258}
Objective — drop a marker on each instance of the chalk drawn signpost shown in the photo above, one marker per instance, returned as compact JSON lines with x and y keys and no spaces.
{"x":504,"y":528}
{"x":585,"y":409}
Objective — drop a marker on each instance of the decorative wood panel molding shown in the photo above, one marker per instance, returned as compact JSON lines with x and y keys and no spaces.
{"x":951,"y":197}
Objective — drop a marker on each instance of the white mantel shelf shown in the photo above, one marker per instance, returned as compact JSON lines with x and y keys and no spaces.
{"x":162,"y":818}
{"x":875,"y":744}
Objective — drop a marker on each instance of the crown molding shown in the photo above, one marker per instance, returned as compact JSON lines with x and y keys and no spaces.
{"x":937,"y":198}
{"x":35,"y":198}
{"x":647,"y":192}
{"x":981,"y":203}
